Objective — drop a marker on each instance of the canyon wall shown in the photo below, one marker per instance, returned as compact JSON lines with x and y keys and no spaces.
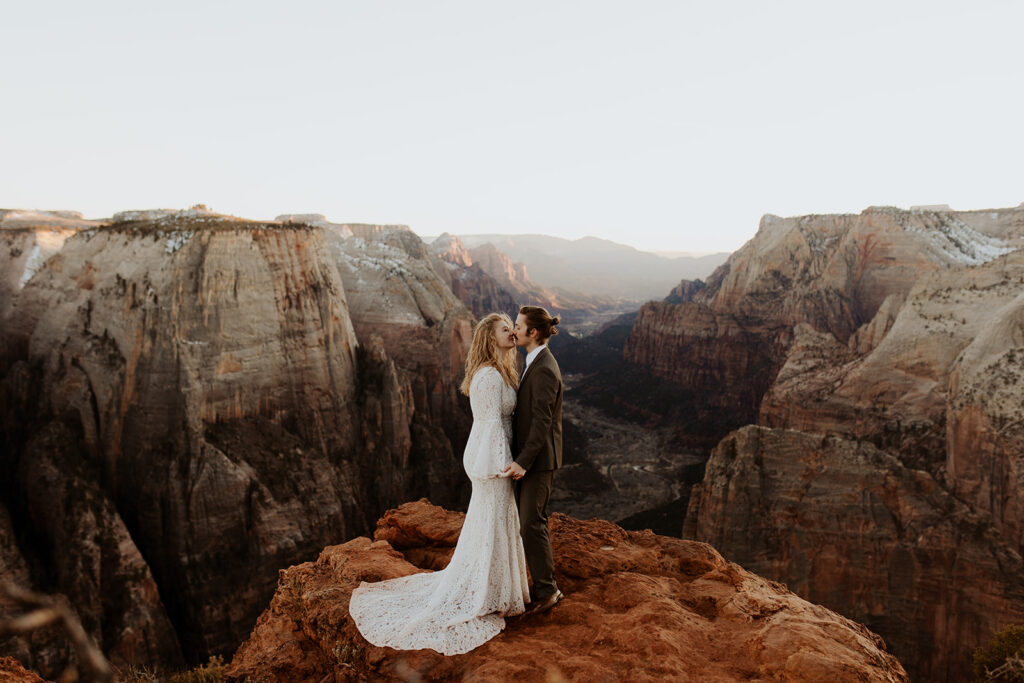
{"x":901,"y":330}
{"x":468,"y":281}
{"x":848,"y":526}
{"x":193,"y":401}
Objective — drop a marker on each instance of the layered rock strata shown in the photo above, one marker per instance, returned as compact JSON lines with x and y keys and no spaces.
{"x":834,"y":273}
{"x":395,"y":295}
{"x":899,"y":380}
{"x":638,"y":606}
{"x":487,"y":280}
{"x":850,"y":527}
{"x":27,"y":240}
{"x":901,"y":329}
{"x":481,"y":293}
{"x":197,"y":387}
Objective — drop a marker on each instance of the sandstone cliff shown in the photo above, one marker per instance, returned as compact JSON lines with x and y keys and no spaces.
{"x":638,"y":607}
{"x":849,"y":526}
{"x":481,"y":293}
{"x":834,"y":273}
{"x":198,"y":395}
{"x":395,"y":295}
{"x":27,"y":240}
{"x":487,"y":280}
{"x":901,"y":329}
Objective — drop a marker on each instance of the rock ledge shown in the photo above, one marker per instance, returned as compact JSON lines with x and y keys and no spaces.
{"x":638,"y":606}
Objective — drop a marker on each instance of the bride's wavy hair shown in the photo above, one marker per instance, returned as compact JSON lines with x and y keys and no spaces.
{"x":483,"y":351}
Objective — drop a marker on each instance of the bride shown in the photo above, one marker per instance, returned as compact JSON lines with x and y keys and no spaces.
{"x":463,"y":606}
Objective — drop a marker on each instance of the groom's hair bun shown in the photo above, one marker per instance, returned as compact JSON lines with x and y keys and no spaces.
{"x":538,"y":318}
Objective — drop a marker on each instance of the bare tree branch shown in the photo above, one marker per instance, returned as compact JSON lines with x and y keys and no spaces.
{"x":47,"y":610}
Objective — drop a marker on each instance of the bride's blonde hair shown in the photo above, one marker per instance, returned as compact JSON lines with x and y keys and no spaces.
{"x":483,"y":352}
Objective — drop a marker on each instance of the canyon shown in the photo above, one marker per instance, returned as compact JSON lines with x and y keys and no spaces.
{"x":596,"y":267}
{"x":193,"y":401}
{"x":487,"y":280}
{"x":897,"y":336}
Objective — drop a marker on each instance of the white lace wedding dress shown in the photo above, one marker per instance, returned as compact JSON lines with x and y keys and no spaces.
{"x":462,"y":606}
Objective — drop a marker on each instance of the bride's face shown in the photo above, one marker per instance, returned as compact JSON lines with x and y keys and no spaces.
{"x":503,"y":337}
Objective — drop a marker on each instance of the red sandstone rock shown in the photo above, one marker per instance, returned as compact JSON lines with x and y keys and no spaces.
{"x":848,"y":526}
{"x":11,"y":671}
{"x":638,"y":607}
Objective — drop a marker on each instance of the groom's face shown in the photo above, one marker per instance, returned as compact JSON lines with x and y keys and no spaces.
{"x":520,"y":331}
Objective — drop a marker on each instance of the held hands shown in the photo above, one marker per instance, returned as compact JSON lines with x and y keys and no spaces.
{"x":514,"y":471}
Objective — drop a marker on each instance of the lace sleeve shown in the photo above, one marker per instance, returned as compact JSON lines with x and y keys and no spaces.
{"x":488,"y":451}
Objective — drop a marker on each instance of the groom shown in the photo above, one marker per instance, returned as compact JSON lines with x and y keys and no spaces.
{"x":537,"y":446}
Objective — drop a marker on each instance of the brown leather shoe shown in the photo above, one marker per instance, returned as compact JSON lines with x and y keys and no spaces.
{"x":544,"y":604}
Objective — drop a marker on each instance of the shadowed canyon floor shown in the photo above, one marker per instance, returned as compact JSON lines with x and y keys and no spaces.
{"x":638,"y":607}
{"x":616,"y":469}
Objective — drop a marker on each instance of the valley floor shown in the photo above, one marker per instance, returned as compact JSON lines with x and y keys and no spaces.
{"x":621,"y":470}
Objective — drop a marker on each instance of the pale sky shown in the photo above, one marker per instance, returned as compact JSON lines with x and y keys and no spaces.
{"x":664,"y":125}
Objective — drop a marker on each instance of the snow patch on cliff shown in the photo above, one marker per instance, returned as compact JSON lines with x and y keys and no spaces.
{"x":32,"y":263}
{"x":177,"y":240}
{"x":960,"y":244}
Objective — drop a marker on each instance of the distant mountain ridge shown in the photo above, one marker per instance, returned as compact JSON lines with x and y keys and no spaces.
{"x":597,"y":266}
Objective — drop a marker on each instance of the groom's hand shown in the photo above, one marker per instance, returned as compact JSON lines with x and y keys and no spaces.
{"x":514,"y":471}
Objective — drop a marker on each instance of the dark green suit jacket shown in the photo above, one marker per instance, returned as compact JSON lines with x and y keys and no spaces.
{"x":537,"y":421}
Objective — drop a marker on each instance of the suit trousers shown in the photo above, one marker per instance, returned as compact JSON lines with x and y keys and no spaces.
{"x":533,"y":492}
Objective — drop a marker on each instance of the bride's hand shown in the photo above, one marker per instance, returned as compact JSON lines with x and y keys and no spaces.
{"x":514,"y":471}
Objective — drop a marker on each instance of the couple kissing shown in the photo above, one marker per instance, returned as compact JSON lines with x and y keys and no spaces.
{"x":511,"y":456}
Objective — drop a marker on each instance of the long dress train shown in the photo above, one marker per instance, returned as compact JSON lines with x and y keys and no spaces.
{"x":463,"y":605}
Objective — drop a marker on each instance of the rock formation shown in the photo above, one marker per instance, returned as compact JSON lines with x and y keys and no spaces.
{"x":481,"y":293}
{"x":395,"y":295}
{"x":638,"y":606}
{"x":834,"y":273}
{"x":27,"y":240}
{"x":597,"y":267}
{"x":198,"y":395}
{"x":900,"y":329}
{"x":486,"y":279}
{"x":11,"y":671}
{"x":850,"y":527}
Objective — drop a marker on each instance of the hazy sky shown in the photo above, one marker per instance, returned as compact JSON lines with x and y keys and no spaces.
{"x":665,"y":125}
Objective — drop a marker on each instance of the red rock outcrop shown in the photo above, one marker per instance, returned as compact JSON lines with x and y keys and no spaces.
{"x":11,"y":671}
{"x":985,"y":420}
{"x":638,"y":607}
{"x":687,"y":290}
{"x":196,"y":384}
{"x":848,"y":526}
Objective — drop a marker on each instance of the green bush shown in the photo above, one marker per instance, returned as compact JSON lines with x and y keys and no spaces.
{"x":211,"y":672}
{"x":1005,"y":644}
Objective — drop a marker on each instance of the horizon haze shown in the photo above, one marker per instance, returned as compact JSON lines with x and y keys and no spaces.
{"x":669,"y":126}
